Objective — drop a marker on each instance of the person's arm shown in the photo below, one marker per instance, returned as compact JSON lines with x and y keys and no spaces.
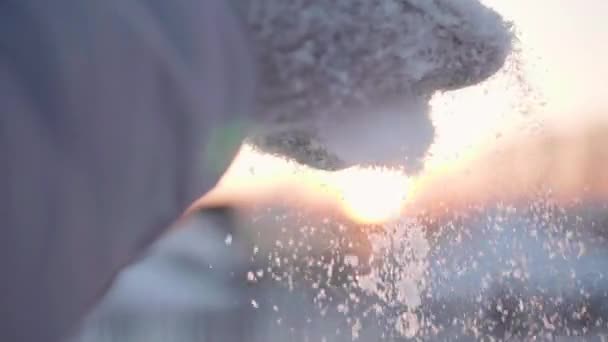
{"x":113,"y":119}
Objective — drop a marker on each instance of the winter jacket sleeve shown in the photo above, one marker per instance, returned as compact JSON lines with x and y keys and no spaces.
{"x":114,"y":116}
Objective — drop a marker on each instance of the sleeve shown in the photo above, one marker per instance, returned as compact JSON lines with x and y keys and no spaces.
{"x":114,"y":117}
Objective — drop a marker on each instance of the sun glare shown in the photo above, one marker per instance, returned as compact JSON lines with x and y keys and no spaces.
{"x":364,"y":195}
{"x":371,"y":195}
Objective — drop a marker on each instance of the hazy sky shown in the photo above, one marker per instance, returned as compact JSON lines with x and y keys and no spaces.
{"x":565,"y":53}
{"x":571,"y":39}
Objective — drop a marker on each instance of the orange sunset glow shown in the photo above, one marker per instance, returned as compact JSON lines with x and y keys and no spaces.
{"x":571,"y":165}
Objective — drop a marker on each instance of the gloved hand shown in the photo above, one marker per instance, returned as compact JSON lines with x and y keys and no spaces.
{"x":347,"y":82}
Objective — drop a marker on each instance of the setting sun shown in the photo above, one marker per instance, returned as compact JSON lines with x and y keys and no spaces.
{"x":364,"y":195}
{"x":371,"y":195}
